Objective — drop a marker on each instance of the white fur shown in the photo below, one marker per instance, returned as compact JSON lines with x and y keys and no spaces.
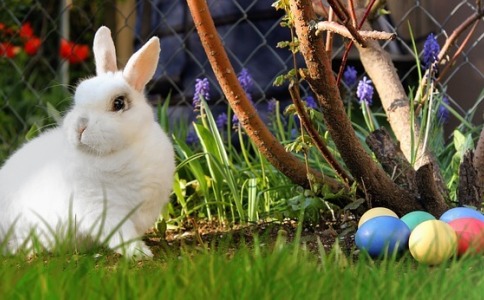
{"x":99,"y":167}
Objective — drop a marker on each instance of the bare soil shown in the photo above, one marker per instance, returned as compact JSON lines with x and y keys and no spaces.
{"x":203,"y":234}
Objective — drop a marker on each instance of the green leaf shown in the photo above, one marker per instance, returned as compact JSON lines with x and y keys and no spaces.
{"x":462,"y":142}
{"x":54,"y":113}
{"x":32,"y":133}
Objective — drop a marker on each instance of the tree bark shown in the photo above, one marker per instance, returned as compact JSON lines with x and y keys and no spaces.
{"x":479,"y":163}
{"x":468,"y":190}
{"x":381,"y":189}
{"x":392,"y":159}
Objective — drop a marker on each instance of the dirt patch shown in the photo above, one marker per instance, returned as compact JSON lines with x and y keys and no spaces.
{"x":214,"y":235}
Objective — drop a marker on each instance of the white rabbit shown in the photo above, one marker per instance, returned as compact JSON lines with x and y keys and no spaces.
{"x":109,"y":166}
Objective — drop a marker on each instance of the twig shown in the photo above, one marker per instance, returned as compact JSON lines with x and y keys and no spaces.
{"x":343,"y":15}
{"x":315,"y":137}
{"x":352,"y":13}
{"x":450,"y":63}
{"x":343,"y":31}
{"x":472,"y":20}
{"x":350,"y":44}
{"x":329,"y":34}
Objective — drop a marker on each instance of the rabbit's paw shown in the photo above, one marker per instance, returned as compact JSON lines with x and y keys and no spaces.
{"x":136,"y":250}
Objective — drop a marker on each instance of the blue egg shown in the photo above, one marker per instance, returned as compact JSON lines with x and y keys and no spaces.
{"x":382,"y":235}
{"x":461,"y":212}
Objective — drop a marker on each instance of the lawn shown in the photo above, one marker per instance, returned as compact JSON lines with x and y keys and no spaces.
{"x":263,"y":268}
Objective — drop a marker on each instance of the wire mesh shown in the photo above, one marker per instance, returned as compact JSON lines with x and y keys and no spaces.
{"x":35,"y":79}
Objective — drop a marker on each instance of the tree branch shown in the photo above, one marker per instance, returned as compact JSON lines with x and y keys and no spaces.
{"x":315,"y":137}
{"x":248,"y":117}
{"x":382,"y":190}
{"x":343,"y":31}
{"x":344,"y":17}
{"x":470,"y":21}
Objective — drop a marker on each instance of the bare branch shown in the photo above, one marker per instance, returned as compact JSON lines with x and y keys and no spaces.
{"x":343,"y":31}
{"x":470,"y":21}
{"x":315,"y":137}
{"x":341,"y":12}
{"x":350,"y":44}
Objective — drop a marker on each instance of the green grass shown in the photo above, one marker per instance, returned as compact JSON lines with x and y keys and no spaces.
{"x":283,"y":272}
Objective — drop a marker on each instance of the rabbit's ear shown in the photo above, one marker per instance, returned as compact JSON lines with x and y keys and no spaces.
{"x":141,"y":67}
{"x":104,"y":51}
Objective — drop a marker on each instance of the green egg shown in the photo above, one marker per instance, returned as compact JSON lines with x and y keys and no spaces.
{"x":412,"y":219}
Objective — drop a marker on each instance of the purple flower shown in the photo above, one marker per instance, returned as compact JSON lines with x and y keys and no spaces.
{"x":202,"y":89}
{"x":349,"y":76}
{"x":246,"y":82}
{"x":235,"y":120}
{"x":271,"y":106}
{"x":431,"y":51}
{"x":221,"y":121}
{"x":442,"y":111}
{"x":310,"y":102}
{"x":365,"y":90}
{"x":192,"y":138}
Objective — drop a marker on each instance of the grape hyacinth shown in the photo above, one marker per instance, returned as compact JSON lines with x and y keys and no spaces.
{"x":431,"y":51}
{"x":202,"y":89}
{"x":192,"y":138}
{"x":349,"y":76}
{"x":271,"y":106}
{"x":365,"y":91}
{"x":246,"y":82}
{"x":442,"y":111}
{"x":310,"y":102}
{"x":235,"y":121}
{"x":221,"y":121}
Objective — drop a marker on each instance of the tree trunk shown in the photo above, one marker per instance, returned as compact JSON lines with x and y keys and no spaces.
{"x":381,"y":190}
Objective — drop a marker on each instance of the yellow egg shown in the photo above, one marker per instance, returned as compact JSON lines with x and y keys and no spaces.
{"x":376,"y":212}
{"x":432,"y":242}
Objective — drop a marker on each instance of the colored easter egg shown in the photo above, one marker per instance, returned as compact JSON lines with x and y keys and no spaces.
{"x":381,"y":235}
{"x":412,"y":219}
{"x":376,"y":212}
{"x":432,"y":242}
{"x":461,"y":212}
{"x":470,"y":235}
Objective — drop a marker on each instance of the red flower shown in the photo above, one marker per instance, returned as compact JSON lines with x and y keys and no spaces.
{"x":8,"y":50}
{"x":74,"y":53}
{"x":32,"y":45}
{"x":26,"y":31}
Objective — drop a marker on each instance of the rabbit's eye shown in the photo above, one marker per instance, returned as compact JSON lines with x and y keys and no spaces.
{"x":119,"y":103}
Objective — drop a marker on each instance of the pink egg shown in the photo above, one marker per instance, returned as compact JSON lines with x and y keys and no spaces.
{"x":470,"y":235}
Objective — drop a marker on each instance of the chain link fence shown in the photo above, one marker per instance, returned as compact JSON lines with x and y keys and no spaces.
{"x":45,"y":50}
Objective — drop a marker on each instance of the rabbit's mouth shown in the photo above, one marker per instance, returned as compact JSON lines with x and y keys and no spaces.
{"x":93,"y":150}
{"x":85,"y":148}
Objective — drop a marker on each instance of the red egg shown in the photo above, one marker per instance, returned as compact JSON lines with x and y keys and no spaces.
{"x":470,"y":235}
